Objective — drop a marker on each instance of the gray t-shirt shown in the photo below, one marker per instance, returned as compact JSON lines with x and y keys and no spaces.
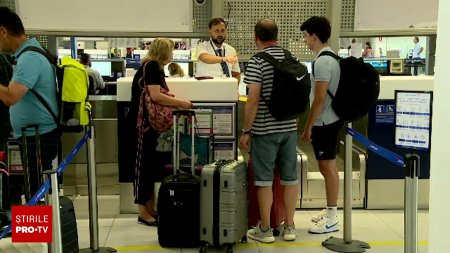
{"x":326,"y":69}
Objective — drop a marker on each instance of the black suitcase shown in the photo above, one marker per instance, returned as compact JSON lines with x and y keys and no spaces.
{"x":69,"y":232}
{"x":179,"y":201}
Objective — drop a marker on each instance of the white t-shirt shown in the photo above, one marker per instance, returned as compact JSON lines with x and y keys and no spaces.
{"x":204,"y":69}
{"x":416,"y":51}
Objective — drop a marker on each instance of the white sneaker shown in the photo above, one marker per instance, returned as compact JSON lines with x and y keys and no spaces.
{"x":289,"y":234}
{"x":258,"y":235}
{"x":319,"y":216}
{"x":326,"y":225}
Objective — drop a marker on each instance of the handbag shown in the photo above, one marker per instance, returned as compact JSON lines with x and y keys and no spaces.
{"x":159,"y":116}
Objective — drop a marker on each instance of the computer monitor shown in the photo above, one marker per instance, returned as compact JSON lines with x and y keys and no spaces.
{"x":117,"y":68}
{"x":380,"y":65}
{"x":184,"y":66}
{"x":104,"y":67}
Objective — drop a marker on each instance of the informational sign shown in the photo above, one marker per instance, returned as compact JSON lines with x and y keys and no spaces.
{"x":223,"y":118}
{"x":14,"y":159}
{"x":385,"y":114}
{"x":413,"y":119}
{"x":204,"y":123}
{"x":224,"y":150}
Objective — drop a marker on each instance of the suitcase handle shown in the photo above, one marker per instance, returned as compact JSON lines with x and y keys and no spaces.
{"x":24,"y":156}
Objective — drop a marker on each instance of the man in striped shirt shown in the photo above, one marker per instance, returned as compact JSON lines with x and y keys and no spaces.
{"x":271,"y":140}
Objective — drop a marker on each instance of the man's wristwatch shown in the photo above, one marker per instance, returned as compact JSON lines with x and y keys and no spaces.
{"x":246,"y":131}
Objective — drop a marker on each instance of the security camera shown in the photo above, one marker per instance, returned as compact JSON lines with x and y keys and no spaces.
{"x":200,"y":2}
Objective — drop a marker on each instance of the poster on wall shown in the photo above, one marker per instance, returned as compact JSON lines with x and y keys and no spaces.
{"x":204,"y":121}
{"x":413,"y":119}
{"x":223,"y":118}
{"x":224,"y":150}
{"x":384,"y":114}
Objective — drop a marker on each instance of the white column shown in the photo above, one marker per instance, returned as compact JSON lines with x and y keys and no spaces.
{"x":440,"y":141}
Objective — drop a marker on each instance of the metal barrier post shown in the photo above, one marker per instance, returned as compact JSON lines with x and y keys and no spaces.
{"x":56,"y":244}
{"x":412,"y":170}
{"x":93,"y":204}
{"x":347,"y":244}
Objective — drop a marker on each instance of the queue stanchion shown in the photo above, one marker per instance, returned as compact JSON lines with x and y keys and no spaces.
{"x":412,"y":170}
{"x":53,"y":198}
{"x":92,"y":188}
{"x":347,"y":244}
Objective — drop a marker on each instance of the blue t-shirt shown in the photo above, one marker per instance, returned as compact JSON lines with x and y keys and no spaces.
{"x":34,"y":71}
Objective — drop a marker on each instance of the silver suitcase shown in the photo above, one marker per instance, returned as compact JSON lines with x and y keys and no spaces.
{"x":223,"y":204}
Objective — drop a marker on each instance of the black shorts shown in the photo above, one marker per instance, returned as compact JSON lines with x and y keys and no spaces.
{"x":325,"y":140}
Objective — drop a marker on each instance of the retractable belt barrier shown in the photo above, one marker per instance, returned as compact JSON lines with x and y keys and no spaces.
{"x":385,"y":153}
{"x":46,"y":186}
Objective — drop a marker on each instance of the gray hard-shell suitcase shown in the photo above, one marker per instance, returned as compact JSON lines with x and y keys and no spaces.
{"x":223,"y":204}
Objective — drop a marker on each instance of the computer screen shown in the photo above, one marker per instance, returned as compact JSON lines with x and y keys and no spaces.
{"x":380,"y":65}
{"x":104,"y":67}
{"x":184,"y":66}
{"x":117,"y":68}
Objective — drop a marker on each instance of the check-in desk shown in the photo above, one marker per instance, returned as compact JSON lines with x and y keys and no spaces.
{"x":385,"y":181}
{"x":218,"y":96}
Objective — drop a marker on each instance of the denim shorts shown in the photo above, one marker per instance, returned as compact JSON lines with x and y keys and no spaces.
{"x":278,"y":149}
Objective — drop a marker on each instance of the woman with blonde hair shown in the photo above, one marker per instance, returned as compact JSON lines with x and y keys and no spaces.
{"x":175,"y":70}
{"x":150,"y":76}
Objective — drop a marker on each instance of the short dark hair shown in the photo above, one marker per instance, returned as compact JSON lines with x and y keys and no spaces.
{"x":216,"y":21}
{"x":11,"y":22}
{"x":266,"y":30}
{"x":417,"y":38}
{"x":320,"y":26}
{"x":84,"y":58}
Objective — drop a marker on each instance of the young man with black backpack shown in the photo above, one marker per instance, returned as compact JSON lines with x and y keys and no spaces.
{"x":272,"y":140}
{"x":323,"y":125}
{"x":32,"y":72}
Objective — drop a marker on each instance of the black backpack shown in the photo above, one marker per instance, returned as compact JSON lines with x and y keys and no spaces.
{"x":290,"y":89}
{"x":358,"y":89}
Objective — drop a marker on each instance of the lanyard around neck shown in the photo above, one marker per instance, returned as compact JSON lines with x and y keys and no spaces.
{"x":215,"y":51}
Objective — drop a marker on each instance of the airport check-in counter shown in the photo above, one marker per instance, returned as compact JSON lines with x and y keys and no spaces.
{"x":377,"y":183}
{"x":385,"y":181}
{"x":218,"y":96}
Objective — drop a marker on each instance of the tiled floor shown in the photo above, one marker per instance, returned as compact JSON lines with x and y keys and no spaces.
{"x":383,"y":230}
